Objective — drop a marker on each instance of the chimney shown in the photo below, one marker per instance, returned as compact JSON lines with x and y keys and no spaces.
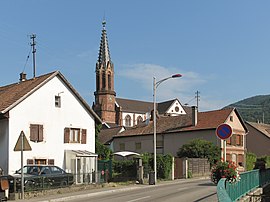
{"x":194,"y":115}
{"x":22,"y":77}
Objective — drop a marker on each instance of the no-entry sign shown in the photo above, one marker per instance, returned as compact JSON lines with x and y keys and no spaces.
{"x":224,"y":131}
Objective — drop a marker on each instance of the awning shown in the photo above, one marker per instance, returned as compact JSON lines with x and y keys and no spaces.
{"x":126,"y":153}
{"x":83,"y":153}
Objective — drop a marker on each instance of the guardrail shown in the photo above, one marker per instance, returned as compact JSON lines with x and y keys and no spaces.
{"x":249,"y":181}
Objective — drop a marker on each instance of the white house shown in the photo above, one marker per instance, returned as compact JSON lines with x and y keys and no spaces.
{"x":58,"y":124}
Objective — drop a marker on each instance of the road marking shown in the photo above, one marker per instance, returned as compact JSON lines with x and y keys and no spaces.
{"x":137,"y":199}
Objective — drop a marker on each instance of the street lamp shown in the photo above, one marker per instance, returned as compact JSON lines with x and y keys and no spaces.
{"x":155,"y":85}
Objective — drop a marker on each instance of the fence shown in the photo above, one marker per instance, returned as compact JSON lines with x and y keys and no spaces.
{"x":37,"y":183}
{"x":248,"y":181}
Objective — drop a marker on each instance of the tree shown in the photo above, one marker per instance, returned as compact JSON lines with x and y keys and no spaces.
{"x":199,"y":148}
{"x":102,"y":151}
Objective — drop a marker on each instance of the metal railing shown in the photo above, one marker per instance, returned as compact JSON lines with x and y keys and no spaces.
{"x":249,"y":181}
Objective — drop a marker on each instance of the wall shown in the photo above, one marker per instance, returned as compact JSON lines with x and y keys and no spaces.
{"x":39,"y":108}
{"x":4,"y":145}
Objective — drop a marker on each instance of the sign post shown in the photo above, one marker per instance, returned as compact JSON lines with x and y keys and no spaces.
{"x":22,"y":145}
{"x":223,"y":132}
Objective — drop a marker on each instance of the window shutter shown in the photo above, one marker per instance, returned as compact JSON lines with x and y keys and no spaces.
{"x":66,"y":135}
{"x":233,"y":140}
{"x":30,"y":161}
{"x":33,"y":132}
{"x":40,"y":133}
{"x":84,"y":135}
{"x":50,"y":161}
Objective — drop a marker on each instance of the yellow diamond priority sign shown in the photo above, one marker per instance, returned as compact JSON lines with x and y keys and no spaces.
{"x":22,"y":143}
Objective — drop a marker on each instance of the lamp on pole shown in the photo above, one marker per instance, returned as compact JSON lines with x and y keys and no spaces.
{"x":155,"y":85}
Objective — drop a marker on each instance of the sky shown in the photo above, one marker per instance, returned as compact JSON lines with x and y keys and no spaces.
{"x":220,"y":47}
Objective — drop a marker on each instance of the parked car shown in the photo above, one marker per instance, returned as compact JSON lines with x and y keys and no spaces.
{"x":41,"y":177}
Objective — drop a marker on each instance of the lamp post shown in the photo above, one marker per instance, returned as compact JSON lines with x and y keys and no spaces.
{"x":155,"y":85}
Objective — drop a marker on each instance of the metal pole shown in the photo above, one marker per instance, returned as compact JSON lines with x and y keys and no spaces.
{"x":22,"y":176}
{"x":224,"y":150}
{"x":155,"y":131}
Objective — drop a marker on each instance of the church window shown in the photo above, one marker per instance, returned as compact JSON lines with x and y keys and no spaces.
{"x":127,"y":120}
{"x":139,"y":119}
{"x":103,"y":80}
{"x":97,"y":82}
{"x":109,"y":81}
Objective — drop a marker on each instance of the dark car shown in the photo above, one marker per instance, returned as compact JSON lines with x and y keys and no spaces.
{"x":41,"y":177}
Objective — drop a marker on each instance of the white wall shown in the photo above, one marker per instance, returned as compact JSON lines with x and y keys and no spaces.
{"x":39,"y":108}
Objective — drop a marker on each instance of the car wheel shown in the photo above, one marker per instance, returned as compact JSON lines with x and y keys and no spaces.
{"x":63,"y":183}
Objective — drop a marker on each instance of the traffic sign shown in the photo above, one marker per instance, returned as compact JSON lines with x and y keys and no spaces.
{"x":22,"y":143}
{"x":224,"y":131}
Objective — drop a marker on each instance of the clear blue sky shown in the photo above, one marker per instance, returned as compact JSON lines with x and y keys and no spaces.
{"x":220,"y":47}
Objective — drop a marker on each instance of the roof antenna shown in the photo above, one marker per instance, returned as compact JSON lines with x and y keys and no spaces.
{"x":33,"y":36}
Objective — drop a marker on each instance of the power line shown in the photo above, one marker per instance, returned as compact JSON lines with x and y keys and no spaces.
{"x":27,"y":58}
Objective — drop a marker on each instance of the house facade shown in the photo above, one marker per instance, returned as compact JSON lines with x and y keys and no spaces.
{"x":258,"y":139}
{"x":58,"y":124}
{"x":175,"y":131}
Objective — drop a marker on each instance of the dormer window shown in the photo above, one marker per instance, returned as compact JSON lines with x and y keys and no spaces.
{"x":58,"y":101}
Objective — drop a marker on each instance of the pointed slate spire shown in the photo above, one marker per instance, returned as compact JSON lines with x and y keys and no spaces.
{"x":104,"y":53}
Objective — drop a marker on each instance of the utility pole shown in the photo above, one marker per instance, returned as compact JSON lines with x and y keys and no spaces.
{"x":33,"y":43}
{"x":197,"y":98}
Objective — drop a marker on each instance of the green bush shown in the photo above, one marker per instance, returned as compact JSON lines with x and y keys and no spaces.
{"x":250,"y":161}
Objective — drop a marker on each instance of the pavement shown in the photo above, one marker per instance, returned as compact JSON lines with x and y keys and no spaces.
{"x":82,"y":191}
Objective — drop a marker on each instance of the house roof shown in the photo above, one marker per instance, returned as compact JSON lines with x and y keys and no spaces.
{"x":206,"y":120}
{"x":13,"y":94}
{"x":261,"y":127}
{"x":134,"y":105}
{"x":106,"y":135}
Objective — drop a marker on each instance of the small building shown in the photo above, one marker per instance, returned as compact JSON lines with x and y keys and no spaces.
{"x":57,"y":122}
{"x":258,"y":139}
{"x":175,"y":131}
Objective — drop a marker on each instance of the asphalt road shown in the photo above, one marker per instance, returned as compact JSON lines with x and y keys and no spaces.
{"x":188,"y":190}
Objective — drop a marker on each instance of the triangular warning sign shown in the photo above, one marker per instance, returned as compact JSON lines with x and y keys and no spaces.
{"x":22,"y":140}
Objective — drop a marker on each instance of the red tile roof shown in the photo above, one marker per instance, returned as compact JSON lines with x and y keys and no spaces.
{"x":206,"y":120}
{"x":11,"y":95}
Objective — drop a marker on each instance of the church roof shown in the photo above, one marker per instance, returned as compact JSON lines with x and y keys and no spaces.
{"x":104,"y":53}
{"x":134,"y":106}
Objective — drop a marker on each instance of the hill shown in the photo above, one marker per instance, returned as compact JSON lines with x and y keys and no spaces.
{"x":254,"y":109}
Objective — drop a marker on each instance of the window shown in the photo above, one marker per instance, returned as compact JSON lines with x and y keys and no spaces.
{"x":103,"y":80}
{"x":75,"y":135}
{"x":36,"y":132}
{"x":41,"y":161}
{"x":159,"y":143}
{"x":231,"y":118}
{"x":109,"y":82}
{"x":128,"y":121}
{"x":239,"y":140}
{"x":122,"y":146}
{"x":57,"y":101}
{"x":138,"y":146}
{"x":139,"y":119}
{"x":228,"y":141}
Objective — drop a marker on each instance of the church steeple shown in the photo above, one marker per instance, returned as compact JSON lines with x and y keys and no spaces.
{"x":104,"y":104}
{"x":104,"y":53}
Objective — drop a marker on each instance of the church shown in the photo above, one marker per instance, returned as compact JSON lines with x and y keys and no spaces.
{"x":115,"y":111}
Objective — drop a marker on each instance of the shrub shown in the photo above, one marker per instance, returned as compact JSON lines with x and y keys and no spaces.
{"x":224,"y":170}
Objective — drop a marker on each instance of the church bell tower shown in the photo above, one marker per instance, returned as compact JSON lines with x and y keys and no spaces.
{"x":104,"y":104}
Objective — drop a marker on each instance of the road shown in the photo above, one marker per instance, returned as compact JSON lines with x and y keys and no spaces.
{"x":192,"y":190}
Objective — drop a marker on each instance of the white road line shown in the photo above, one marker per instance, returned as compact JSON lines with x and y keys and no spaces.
{"x":137,"y":199}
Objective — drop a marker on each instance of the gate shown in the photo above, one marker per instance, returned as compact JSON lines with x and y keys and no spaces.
{"x":178,"y":168}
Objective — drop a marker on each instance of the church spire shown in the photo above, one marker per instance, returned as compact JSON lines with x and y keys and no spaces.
{"x":104,"y":53}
